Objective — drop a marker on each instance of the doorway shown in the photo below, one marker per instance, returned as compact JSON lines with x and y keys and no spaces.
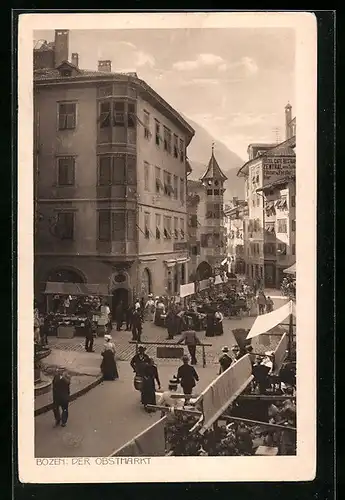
{"x":270,"y":275}
{"x":119,"y":295}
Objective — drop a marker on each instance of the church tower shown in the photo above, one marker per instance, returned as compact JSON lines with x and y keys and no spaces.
{"x":213,"y":181}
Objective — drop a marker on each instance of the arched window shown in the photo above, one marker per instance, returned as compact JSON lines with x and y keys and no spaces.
{"x":204,"y":271}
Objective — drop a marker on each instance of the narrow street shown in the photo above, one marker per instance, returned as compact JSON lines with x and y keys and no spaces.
{"x":105,"y":418}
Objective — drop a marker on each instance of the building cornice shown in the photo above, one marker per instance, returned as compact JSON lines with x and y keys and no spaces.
{"x":141,"y":85}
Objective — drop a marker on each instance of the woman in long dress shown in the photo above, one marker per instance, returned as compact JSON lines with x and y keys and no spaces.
{"x":148,"y":391}
{"x":108,"y":365}
{"x":210,"y":323}
{"x":218,"y":322}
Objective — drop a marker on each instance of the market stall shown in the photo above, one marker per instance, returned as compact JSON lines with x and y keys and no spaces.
{"x":208,"y":427}
{"x":69,"y":305}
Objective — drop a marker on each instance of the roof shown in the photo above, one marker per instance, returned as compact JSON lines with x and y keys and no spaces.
{"x":282,"y":149}
{"x":194,"y":184}
{"x":213,"y":170}
{"x":276,"y":183}
{"x":240,"y":208}
{"x":52,"y":76}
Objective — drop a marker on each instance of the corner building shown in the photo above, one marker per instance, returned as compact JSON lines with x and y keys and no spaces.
{"x":110,"y":176}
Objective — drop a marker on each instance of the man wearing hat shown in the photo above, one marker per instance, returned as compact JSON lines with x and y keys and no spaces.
{"x":236,"y":352}
{"x":225,"y":360}
{"x":139,"y":360}
{"x":61,"y":394}
{"x":167,"y":399}
{"x":189,"y":337}
{"x":260,"y":372}
{"x":187,"y":377}
{"x":150,"y":308}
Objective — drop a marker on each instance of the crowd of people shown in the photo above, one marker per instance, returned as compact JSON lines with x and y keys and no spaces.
{"x":233,"y":439}
{"x":288,"y":287}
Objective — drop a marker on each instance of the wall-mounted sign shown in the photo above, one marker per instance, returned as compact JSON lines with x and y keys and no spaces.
{"x":278,"y":167}
{"x":181,"y":245}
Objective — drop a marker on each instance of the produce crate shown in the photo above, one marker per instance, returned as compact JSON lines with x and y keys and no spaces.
{"x":65,"y":332}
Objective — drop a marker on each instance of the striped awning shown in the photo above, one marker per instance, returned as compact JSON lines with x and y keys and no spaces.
{"x":57,"y":288}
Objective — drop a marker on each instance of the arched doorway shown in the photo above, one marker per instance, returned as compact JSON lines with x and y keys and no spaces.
{"x":66,"y":275}
{"x":203,"y":271}
{"x":62,"y":275}
{"x":119,"y":295}
{"x":146,"y":286}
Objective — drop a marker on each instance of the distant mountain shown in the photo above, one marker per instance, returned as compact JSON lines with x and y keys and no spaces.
{"x":199,"y":152}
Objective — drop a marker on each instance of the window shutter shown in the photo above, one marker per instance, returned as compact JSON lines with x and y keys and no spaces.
{"x":104,"y":225}
{"x":119,"y":168}
{"x":119,"y":114}
{"x":131,"y":224}
{"x":105,"y":177}
{"x":119,"y":226}
{"x":131,"y":175}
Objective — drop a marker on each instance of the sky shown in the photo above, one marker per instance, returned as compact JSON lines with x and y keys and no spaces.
{"x":235,"y":82}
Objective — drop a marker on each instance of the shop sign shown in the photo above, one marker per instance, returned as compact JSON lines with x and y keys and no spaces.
{"x":181,"y":245}
{"x":278,"y":167}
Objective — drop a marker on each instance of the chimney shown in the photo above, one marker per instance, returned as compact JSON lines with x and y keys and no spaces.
{"x":61,"y":46}
{"x":288,"y":118}
{"x":104,"y":66}
{"x":75,"y":59}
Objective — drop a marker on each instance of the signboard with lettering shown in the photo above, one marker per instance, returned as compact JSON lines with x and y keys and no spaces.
{"x":278,"y":167}
{"x":181,"y":245}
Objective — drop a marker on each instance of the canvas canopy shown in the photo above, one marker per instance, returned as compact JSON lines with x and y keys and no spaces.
{"x":266,"y":322}
{"x":56,"y":288}
{"x":204,"y":284}
{"x":149,"y":443}
{"x":218,"y":280}
{"x":187,"y":289}
{"x":291,"y":269}
{"x":217,"y":397}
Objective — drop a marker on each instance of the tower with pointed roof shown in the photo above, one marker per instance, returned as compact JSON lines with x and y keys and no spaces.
{"x":214,"y":238}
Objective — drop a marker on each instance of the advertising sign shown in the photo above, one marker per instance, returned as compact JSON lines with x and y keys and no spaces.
{"x":278,"y":167}
{"x":187,"y":289}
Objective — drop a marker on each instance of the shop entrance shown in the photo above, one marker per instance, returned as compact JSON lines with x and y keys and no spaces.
{"x":119,"y":295}
{"x":270,"y":275}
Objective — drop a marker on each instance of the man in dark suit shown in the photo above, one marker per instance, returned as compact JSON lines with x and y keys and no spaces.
{"x":61,"y":393}
{"x":88,"y":336}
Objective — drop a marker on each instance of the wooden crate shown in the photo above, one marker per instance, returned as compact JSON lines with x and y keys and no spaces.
{"x":65,"y":332}
{"x":169,"y":352}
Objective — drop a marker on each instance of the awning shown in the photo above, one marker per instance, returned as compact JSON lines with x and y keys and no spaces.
{"x":266,"y":322}
{"x":291,"y":269}
{"x":187,"y":289}
{"x":57,"y":288}
{"x":218,"y":280}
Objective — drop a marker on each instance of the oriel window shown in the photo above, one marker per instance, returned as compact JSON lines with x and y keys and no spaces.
{"x":119,"y":169}
{"x":119,"y":114}
{"x":131,"y":116}
{"x":119,"y":226}
{"x":104,"y":170}
{"x":104,"y":114}
{"x":104,"y":225}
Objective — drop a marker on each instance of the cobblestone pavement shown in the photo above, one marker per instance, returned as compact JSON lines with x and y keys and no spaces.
{"x":152,"y":333}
